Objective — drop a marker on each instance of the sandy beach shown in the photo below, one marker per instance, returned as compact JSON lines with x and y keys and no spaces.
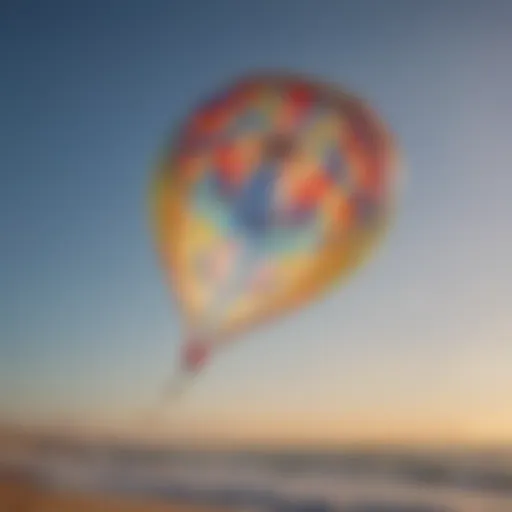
{"x":19,"y":494}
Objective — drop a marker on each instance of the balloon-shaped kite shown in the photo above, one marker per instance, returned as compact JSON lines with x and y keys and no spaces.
{"x":272,"y":191}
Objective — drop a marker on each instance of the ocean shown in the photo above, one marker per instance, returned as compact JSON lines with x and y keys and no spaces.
{"x":350,"y":480}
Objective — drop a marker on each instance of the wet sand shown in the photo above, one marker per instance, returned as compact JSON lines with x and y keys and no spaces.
{"x":19,"y":494}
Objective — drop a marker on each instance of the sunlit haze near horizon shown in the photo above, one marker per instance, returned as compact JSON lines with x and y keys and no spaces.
{"x":418,"y":344}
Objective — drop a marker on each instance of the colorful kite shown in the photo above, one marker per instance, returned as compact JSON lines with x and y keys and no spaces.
{"x":271,"y":193}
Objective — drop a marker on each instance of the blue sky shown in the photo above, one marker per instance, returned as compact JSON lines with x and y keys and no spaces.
{"x":417,"y":344}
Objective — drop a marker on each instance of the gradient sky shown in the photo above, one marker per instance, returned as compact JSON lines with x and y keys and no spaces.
{"x":417,"y":345}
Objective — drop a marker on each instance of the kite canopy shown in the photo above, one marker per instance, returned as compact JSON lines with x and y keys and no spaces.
{"x":273,"y":190}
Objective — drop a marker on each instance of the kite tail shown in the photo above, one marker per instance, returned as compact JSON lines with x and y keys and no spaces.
{"x":177,"y":385}
{"x":159,"y":413}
